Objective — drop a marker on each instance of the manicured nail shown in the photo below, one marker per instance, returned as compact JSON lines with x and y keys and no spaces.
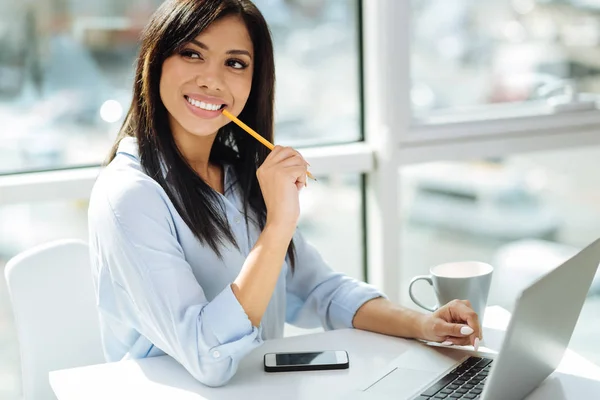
{"x":446,"y":343}
{"x":466,"y":330}
{"x":476,"y":344}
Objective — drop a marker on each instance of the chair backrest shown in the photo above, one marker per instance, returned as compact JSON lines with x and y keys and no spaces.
{"x":52,"y":296}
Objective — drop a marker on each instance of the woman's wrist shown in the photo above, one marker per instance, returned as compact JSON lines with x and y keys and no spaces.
{"x":284,"y":229}
{"x":278,"y":233}
{"x":412,"y":324}
{"x":421,"y":322}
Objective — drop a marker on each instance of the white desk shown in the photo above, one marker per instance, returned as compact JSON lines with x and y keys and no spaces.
{"x":163,"y":378}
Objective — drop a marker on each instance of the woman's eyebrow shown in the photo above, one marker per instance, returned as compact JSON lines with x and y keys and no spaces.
{"x":232,"y":52}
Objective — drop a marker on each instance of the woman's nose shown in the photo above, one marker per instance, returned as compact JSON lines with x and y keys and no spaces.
{"x":210,"y":78}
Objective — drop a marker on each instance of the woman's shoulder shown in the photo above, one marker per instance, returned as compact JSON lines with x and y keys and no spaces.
{"x":124,"y":188}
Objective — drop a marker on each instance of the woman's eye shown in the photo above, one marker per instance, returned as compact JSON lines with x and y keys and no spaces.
{"x":190,"y":54}
{"x":237,"y":64}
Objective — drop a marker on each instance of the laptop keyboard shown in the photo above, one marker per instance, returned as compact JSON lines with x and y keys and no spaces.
{"x":464,"y":382}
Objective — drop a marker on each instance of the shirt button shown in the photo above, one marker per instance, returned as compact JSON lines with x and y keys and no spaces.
{"x":237,"y":220}
{"x":216,"y":354}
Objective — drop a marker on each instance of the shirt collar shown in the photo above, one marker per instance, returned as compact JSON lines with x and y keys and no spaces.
{"x":128,"y":145}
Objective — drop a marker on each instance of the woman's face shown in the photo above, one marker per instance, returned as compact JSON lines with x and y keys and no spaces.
{"x":211,"y":72}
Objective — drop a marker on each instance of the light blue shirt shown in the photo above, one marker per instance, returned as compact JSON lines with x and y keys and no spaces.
{"x":160,"y":290}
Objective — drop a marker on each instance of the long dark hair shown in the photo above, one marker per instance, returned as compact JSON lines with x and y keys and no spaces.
{"x":175,"y":23}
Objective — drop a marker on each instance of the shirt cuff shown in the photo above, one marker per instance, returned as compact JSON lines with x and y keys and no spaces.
{"x":346,"y":307}
{"x":228,"y":320}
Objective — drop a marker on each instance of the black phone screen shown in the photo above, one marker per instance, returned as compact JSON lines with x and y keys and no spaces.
{"x":316,"y":358}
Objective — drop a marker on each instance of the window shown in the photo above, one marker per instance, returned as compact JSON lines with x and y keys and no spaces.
{"x":533,"y":211}
{"x":466,"y":54}
{"x":66,"y":73}
{"x":317,"y":61}
{"x":332,"y":219}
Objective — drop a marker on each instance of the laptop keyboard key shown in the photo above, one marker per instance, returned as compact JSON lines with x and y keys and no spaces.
{"x":439,"y":385}
{"x":472,"y":361}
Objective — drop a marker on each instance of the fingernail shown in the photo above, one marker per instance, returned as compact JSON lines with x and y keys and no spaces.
{"x":466,"y":330}
{"x":446,"y":343}
{"x":476,"y":344}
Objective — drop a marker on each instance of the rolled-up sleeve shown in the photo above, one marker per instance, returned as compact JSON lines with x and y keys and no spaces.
{"x":138,"y":249}
{"x":319,"y":296}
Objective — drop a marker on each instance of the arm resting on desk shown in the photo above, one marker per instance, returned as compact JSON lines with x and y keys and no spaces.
{"x":383,"y":316}
{"x":148,"y":292}
{"x":445,"y":324}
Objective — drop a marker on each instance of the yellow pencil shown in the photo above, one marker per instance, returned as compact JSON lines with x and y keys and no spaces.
{"x":252,"y":132}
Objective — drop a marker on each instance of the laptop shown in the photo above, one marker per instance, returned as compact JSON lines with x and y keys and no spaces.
{"x":537,"y":337}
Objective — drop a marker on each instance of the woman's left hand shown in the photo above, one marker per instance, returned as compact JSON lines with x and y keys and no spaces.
{"x":454,"y":323}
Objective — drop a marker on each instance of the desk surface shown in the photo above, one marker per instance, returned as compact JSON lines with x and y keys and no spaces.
{"x":163,"y":378}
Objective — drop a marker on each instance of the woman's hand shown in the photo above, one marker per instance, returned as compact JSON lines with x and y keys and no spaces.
{"x":455,"y":323}
{"x":281,"y":177}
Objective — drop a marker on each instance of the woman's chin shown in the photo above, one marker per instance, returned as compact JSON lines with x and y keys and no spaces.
{"x":203,"y":133}
{"x":200,"y":128}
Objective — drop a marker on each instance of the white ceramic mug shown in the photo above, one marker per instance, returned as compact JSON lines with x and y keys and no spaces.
{"x":462,"y":280}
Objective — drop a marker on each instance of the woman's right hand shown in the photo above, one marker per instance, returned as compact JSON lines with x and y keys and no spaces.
{"x":281,"y":177}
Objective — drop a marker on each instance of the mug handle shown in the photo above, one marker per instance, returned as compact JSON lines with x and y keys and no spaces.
{"x":413,"y":298}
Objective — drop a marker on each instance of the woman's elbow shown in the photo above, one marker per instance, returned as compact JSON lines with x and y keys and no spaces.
{"x":214,"y":374}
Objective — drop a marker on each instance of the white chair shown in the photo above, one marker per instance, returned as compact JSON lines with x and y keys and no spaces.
{"x":51,"y":291}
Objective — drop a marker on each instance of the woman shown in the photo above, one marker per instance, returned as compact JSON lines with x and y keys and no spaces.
{"x":193,"y":222}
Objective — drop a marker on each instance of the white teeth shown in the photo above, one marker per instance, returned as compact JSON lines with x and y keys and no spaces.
{"x":203,"y":105}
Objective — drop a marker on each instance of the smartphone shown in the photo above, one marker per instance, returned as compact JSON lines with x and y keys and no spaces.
{"x":308,"y":361}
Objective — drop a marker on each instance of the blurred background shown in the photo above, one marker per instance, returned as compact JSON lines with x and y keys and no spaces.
{"x":66,"y":70}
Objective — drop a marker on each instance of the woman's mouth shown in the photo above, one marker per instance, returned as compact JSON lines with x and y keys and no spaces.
{"x":204,"y":106}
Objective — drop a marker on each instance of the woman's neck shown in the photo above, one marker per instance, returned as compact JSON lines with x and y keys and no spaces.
{"x":196,"y":151}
